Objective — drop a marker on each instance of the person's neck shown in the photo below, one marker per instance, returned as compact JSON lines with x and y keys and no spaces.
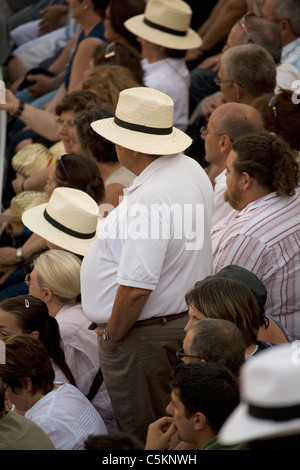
{"x":90,"y":22}
{"x":54,"y":307}
{"x":107,"y":169}
{"x":204,"y":436}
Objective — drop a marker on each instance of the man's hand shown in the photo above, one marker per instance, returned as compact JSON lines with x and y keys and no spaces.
{"x":160,"y":433}
{"x":8,"y":255}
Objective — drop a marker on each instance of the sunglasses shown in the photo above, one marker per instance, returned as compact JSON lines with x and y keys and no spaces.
{"x":180,"y":354}
{"x":244,"y":27}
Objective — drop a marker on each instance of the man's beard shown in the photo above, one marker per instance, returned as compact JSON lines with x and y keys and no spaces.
{"x":234,"y":199}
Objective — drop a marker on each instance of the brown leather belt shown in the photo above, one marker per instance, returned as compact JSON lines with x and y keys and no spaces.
{"x":147,"y":322}
{"x":156,"y":320}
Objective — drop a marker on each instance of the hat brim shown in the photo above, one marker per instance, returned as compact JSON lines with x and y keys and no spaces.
{"x":139,"y":28}
{"x":34,"y":220}
{"x":151,"y":144}
{"x":240,"y":427}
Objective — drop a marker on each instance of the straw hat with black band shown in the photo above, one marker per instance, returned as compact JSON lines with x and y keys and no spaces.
{"x":143,"y":122}
{"x":166,"y":23}
{"x":69,"y":220}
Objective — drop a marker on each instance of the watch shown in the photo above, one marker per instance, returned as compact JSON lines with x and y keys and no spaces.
{"x":106,"y":338}
{"x":19,"y":254}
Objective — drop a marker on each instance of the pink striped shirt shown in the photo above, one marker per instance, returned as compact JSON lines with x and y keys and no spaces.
{"x":265,"y":238}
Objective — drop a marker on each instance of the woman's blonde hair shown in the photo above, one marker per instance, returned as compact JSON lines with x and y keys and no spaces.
{"x":59,"y":271}
{"x":107,"y":81}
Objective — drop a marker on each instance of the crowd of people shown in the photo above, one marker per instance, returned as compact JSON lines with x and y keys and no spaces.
{"x":150,"y":225}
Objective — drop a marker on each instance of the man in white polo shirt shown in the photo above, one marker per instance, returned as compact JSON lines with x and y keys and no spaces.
{"x":151,"y":249}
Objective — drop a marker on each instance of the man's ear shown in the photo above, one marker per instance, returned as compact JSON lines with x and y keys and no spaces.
{"x":200,"y":421}
{"x":239,"y":92}
{"x":246,"y":180}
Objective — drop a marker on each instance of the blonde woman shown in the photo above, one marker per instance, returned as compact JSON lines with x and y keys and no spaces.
{"x":55,"y":279}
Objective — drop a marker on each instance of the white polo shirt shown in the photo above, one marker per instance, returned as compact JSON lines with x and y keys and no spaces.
{"x":149,"y":240}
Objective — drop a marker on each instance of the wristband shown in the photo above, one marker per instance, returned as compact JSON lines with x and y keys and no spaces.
{"x":19,"y":110}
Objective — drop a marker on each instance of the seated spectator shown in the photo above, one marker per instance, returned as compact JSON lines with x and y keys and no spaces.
{"x":262,"y":178}
{"x":271,"y":330}
{"x":214,"y":340}
{"x":25,"y":314}
{"x":281,"y":115}
{"x":113,"y":441}
{"x":286,"y":16}
{"x":268,"y":416}
{"x":62,"y":411}
{"x":55,"y":279}
{"x":68,"y":221}
{"x":203,"y":397}
{"x":117,"y":12}
{"x":163,"y":51}
{"x":115,"y":176}
{"x":119,"y":53}
{"x":227,"y":299}
{"x":18,"y":432}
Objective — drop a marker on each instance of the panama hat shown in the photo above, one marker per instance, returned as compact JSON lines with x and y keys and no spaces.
{"x":69,"y":220}
{"x":20,"y":203}
{"x":31,"y":159}
{"x":166,"y":23}
{"x":143,"y":122}
{"x":270,"y":397}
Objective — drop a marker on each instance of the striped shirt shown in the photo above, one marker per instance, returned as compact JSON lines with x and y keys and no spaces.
{"x":265,"y":238}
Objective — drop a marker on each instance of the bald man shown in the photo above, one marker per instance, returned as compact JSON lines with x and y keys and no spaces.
{"x":225,"y":125}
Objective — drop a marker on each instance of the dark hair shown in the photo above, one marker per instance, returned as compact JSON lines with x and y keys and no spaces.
{"x":217,"y":340}
{"x":79,"y":172}
{"x":281,"y":115}
{"x":228,"y":299}
{"x":26,"y":356}
{"x":101,"y":149}
{"x":35,"y":317}
{"x":122,"y":54}
{"x":122,"y":10}
{"x":209,"y":388}
{"x":77,"y":101}
{"x":100,"y":6}
{"x":268,"y":159}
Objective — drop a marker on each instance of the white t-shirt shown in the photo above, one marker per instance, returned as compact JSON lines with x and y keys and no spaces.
{"x":170,"y":76}
{"x":67,"y":417}
{"x":82,"y":356}
{"x":159,"y":253}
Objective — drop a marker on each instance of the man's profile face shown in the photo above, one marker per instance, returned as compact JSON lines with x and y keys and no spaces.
{"x":185,"y":426}
{"x":233,"y":193}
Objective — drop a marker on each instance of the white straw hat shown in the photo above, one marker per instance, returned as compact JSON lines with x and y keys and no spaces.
{"x":270,"y":397}
{"x":31,"y":159}
{"x":22,"y":202}
{"x":69,"y":220}
{"x":166,"y":23}
{"x":144,"y":122}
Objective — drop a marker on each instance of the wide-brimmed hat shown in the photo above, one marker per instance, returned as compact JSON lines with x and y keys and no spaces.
{"x":166,"y":23}
{"x":69,"y":220}
{"x":22,"y":202}
{"x":270,"y":397}
{"x":31,"y":159}
{"x":143,"y":122}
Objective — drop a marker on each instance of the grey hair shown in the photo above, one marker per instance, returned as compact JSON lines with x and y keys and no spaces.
{"x":264,"y":33}
{"x":251,"y":67}
{"x":288,"y":10}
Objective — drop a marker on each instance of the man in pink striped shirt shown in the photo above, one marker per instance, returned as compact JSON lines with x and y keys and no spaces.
{"x":263,"y":234}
